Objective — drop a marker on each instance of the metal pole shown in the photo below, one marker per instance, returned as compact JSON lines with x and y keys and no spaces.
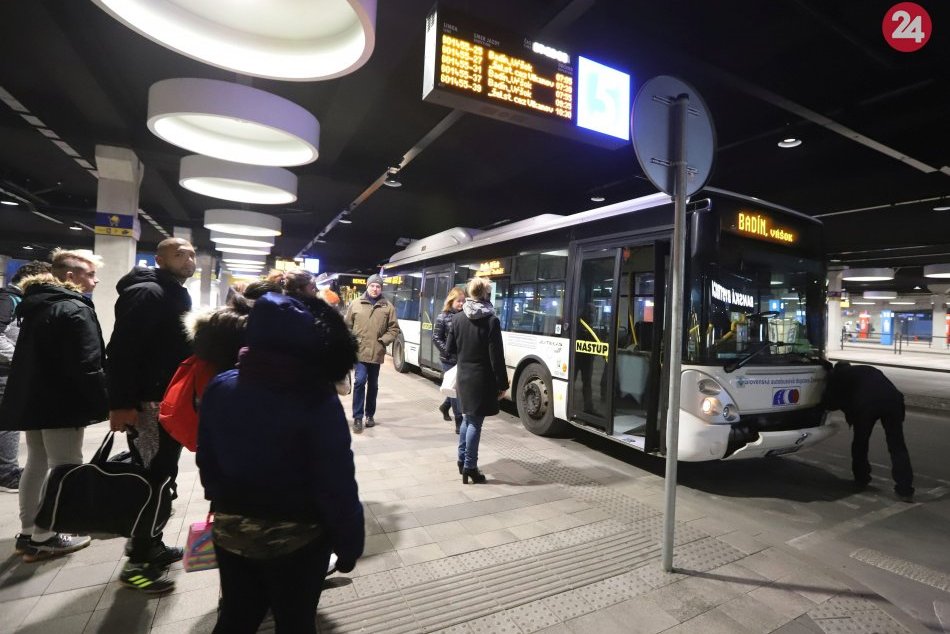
{"x":678,"y":130}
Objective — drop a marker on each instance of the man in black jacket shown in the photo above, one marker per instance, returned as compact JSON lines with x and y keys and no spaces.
{"x":10,"y":297}
{"x":56,"y":386}
{"x":148,"y":343}
{"x":865,"y":395}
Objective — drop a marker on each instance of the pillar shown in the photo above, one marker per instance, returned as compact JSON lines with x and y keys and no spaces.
{"x":205,"y":265}
{"x":120,"y":174}
{"x":4,"y":260}
{"x":833,"y":332}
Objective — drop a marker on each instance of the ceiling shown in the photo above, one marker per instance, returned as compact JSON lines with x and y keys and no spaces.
{"x":875,"y":125}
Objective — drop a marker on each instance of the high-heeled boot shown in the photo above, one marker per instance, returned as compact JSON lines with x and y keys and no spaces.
{"x":477,"y":476}
{"x":461,"y":466}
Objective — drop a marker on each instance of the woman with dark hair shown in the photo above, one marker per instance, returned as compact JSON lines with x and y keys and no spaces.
{"x":274,"y":458}
{"x":482,"y":380}
{"x":299,"y":284}
{"x":258,"y":288}
{"x":440,"y":333}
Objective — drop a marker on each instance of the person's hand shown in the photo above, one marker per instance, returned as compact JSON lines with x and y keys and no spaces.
{"x":123,"y":419}
{"x":501,"y":394}
{"x":345,"y":565}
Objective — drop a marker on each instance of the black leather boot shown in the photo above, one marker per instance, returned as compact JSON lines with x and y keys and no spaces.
{"x":444,"y":408}
{"x":477,"y":476}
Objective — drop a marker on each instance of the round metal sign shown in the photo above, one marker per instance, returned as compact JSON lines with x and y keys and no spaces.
{"x":652,"y":134}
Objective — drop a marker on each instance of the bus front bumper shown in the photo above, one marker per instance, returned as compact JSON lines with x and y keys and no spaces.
{"x":777,"y":443}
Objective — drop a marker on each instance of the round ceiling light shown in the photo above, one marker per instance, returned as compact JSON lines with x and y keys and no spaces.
{"x":789,"y":142}
{"x":232,"y":122}
{"x":236,"y":181}
{"x":880,"y":274}
{"x":245,"y":259}
{"x":240,"y":250}
{"x":937,"y":270}
{"x":880,"y":295}
{"x":242,"y":222}
{"x":296,"y":40}
{"x":242,"y":241}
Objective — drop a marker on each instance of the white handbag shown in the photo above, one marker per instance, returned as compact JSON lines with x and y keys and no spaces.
{"x":448,"y":382}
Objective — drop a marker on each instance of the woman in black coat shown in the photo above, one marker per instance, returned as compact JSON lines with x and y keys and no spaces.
{"x":475,"y":338}
{"x":440,"y":335}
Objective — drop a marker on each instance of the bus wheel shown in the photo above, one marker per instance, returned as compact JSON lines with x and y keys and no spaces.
{"x":399,"y":356}
{"x":535,"y":400}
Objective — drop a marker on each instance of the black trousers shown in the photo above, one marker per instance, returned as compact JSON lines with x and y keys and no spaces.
{"x":290,"y":586}
{"x":145,"y":547}
{"x":892,"y":420}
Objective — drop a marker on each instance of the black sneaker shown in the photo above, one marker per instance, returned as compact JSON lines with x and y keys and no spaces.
{"x":22,"y":543}
{"x":166,"y":556}
{"x":146,"y":578}
{"x":370,"y":422}
{"x":357,"y":425}
{"x":11,"y":484}
{"x":905,"y":497}
{"x":58,"y":544}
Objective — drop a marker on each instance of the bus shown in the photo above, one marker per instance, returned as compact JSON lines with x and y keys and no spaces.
{"x":582,"y":297}
{"x":348,"y":286}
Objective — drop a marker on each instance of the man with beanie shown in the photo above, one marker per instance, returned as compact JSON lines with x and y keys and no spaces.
{"x":372,"y":319}
{"x":148,"y":342}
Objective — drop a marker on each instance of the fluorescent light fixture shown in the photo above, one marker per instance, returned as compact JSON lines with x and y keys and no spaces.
{"x":75,"y":228}
{"x":789,"y":142}
{"x":880,"y":274}
{"x":232,"y":122}
{"x":902,"y":303}
{"x":345,"y":220}
{"x":245,"y":259}
{"x":864,"y":303}
{"x":240,"y":250}
{"x":241,"y":241}
{"x":237,"y":182}
{"x":27,"y":247}
{"x":791,"y":298}
{"x":879,"y":295}
{"x":597,"y":199}
{"x":242,"y":222}
{"x":603,"y":99}
{"x":937,"y":270}
{"x":289,"y":40}
{"x":12,"y":203}
{"x":942,"y":208}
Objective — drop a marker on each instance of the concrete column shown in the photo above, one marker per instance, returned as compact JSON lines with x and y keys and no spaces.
{"x":939,"y":327}
{"x":833,"y":333}
{"x":3,"y":270}
{"x":205,"y":265}
{"x":120,"y":174}
{"x":182,"y":232}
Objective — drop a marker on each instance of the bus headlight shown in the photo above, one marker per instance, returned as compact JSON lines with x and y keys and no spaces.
{"x":710,"y":406}
{"x":709,"y":386}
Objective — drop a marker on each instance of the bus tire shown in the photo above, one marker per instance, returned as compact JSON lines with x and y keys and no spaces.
{"x":399,"y":356}
{"x":535,"y":400}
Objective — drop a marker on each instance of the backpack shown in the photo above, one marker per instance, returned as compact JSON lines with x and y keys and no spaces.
{"x":178,"y":413}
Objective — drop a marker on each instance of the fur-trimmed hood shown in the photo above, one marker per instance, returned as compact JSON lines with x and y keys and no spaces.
{"x":43,"y":290}
{"x":217,"y":334}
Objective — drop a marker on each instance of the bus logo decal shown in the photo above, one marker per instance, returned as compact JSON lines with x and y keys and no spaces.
{"x":591,"y":347}
{"x":786,"y":396}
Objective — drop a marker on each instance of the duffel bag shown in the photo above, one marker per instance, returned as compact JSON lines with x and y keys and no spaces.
{"x":105,"y":496}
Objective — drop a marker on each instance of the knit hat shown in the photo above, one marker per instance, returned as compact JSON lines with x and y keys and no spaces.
{"x":282,"y":324}
{"x":374,"y":279}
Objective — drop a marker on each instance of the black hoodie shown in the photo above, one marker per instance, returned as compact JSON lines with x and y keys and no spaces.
{"x":56,"y":378}
{"x":149,"y":339}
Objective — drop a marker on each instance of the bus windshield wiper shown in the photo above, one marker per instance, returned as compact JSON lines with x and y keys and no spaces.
{"x":732,"y":366}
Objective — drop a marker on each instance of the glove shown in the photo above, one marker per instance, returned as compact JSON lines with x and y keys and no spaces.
{"x":345,"y":565}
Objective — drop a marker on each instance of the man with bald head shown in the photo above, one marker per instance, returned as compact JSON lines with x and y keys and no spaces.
{"x":148,"y":343}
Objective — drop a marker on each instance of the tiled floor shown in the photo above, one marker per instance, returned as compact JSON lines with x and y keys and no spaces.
{"x":561,"y":539}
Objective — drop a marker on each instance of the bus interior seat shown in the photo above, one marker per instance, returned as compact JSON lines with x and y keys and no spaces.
{"x":633,"y":363}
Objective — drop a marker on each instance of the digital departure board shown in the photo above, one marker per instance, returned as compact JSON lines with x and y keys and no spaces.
{"x":491,"y":72}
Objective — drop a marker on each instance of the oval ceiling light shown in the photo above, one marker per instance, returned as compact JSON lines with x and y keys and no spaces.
{"x":789,"y":142}
{"x":296,"y":40}
{"x":880,"y":274}
{"x":242,"y":241}
{"x":880,"y":295}
{"x":240,"y":250}
{"x":232,"y":122}
{"x":937,"y":270}
{"x":242,"y":222}
{"x":245,"y":259}
{"x":238,"y":182}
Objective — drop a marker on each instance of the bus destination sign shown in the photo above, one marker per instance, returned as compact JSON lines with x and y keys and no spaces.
{"x":755,"y":224}
{"x":505,"y":76}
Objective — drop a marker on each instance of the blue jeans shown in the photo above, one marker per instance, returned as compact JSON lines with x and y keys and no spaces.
{"x":470,"y":432}
{"x":363,"y":393}
{"x":453,"y":402}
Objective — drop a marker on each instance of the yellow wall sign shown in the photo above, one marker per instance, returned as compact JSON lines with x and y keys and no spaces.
{"x":760,"y":226}
{"x":591,"y":347}
{"x":492,"y":267}
{"x":359,"y":280}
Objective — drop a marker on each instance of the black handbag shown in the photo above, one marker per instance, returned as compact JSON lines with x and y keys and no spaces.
{"x":105,"y":496}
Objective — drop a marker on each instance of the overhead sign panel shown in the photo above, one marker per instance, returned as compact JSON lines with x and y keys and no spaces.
{"x":492,"y":72}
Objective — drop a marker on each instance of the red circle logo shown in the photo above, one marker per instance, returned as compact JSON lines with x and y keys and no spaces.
{"x":906,"y":27}
{"x":793,"y":396}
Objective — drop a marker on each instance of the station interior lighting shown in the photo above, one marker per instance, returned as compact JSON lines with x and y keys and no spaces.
{"x":241,"y":241}
{"x":237,"y":182}
{"x":878,"y":274}
{"x":242,"y":222}
{"x":789,"y":142}
{"x":880,"y":295}
{"x":939,"y":271}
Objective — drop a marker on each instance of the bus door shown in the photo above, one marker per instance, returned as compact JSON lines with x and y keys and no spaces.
{"x":615,"y":364}
{"x":435,"y":287}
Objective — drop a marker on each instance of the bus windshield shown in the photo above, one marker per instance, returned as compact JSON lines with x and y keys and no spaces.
{"x":756,"y":298}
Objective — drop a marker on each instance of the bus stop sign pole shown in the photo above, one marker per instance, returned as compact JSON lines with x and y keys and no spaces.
{"x":674,"y":144}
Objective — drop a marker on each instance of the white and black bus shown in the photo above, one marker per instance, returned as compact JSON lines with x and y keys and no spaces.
{"x":581,"y":301}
